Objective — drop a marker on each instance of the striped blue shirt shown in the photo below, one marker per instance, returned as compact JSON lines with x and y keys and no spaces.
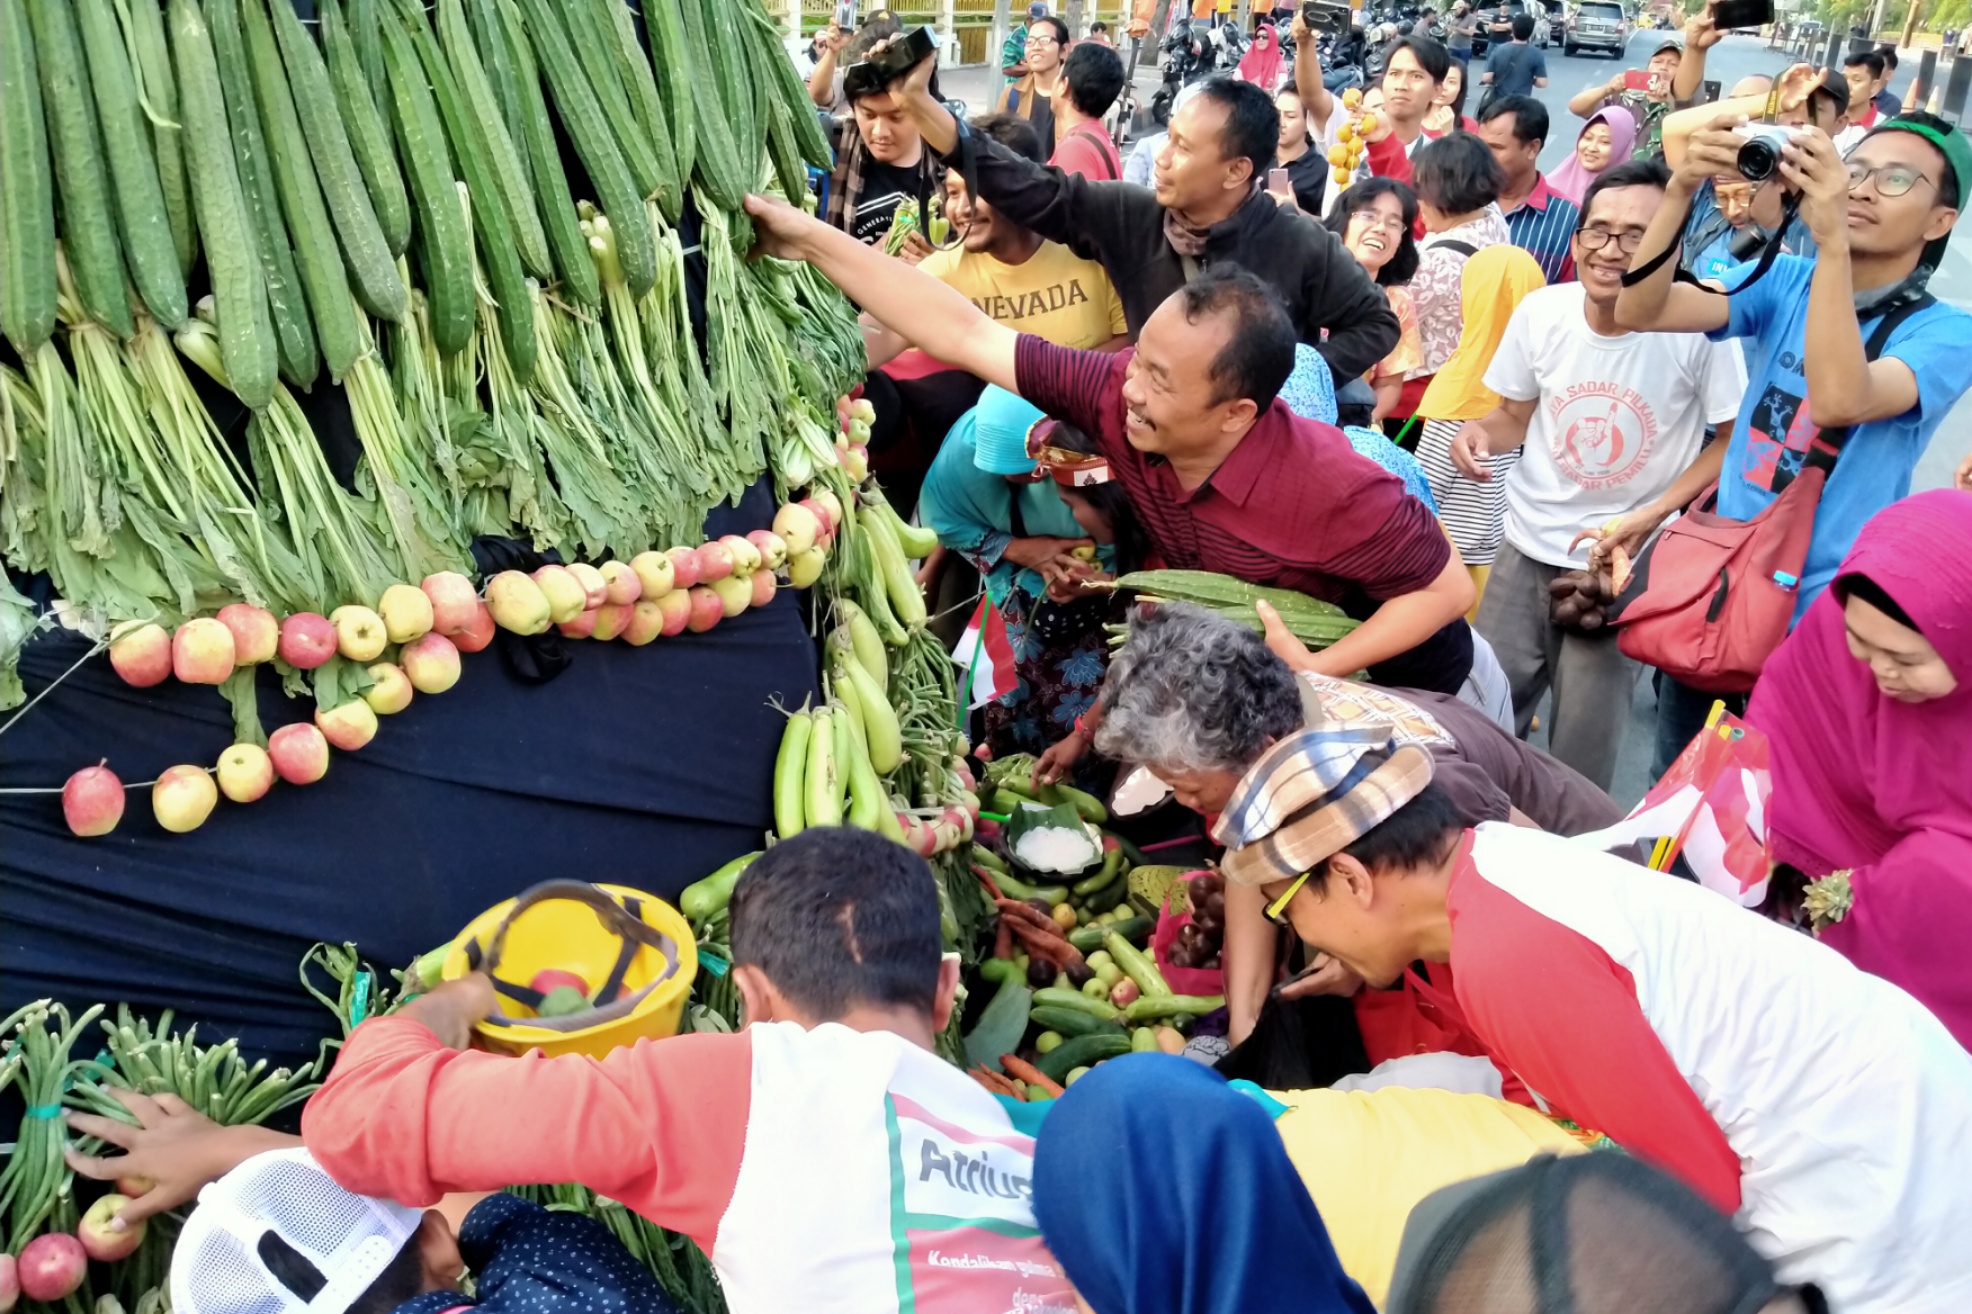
{"x":1543,"y":227}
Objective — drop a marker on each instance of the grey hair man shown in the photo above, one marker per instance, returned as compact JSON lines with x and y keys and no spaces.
{"x":1198,"y":699}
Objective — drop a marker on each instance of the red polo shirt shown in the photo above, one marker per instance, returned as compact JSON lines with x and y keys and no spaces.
{"x":1293,"y":506}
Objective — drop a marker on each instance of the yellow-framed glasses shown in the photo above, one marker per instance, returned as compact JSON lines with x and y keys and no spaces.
{"x":1276,"y":912}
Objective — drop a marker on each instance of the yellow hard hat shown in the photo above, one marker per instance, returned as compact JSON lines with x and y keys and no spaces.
{"x":636,"y":952}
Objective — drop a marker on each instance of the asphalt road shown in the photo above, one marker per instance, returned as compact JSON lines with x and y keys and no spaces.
{"x":1734,"y":58}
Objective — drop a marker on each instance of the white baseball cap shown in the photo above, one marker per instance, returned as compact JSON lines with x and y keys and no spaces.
{"x":283,"y":1201}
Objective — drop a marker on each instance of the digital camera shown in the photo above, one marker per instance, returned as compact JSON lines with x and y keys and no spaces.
{"x":1759,"y":156}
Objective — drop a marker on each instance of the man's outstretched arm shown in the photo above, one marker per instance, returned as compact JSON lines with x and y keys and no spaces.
{"x":929,"y":313}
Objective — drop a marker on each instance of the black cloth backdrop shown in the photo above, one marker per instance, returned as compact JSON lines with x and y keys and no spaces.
{"x":644,"y":766}
{"x":648,"y":767}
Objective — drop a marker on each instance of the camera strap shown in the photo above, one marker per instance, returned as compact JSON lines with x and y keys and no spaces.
{"x":1788,"y":208}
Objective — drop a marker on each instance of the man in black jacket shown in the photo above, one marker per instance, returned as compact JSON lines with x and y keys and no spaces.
{"x":1207,"y":207}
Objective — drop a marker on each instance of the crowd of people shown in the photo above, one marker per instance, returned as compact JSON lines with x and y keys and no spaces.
{"x":1361,"y":347}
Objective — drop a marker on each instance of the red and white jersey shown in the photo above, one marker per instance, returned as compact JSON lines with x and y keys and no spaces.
{"x":830,"y":1171}
{"x":1824,"y":1108}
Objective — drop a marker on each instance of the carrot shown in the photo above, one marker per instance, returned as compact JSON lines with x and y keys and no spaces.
{"x":993,"y":890}
{"x":1003,"y":939}
{"x":1004,"y":1084}
{"x":1033,"y":1076}
{"x":1026,"y":913}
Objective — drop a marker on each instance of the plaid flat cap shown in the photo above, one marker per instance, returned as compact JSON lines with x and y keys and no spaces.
{"x":1312,"y":795}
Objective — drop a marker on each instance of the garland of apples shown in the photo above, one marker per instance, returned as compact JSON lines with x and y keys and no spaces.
{"x":653,"y":595}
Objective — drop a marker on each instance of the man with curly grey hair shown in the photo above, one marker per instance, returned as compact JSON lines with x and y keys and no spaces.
{"x":1197,"y":699}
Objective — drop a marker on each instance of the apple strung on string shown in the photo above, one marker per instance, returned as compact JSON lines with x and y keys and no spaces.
{"x":360,"y":633}
{"x":431,"y":664}
{"x":390,"y":690}
{"x":454,"y":601}
{"x":299,"y":752}
{"x":655,"y":573}
{"x":595,"y":589}
{"x":256,"y":634}
{"x":347,"y":726}
{"x":517,"y":603}
{"x":477,"y":635}
{"x":246,"y":773}
{"x":141,"y":654}
{"x":307,"y":640}
{"x":407,"y":612}
{"x":92,"y":801}
{"x":567,"y":599}
{"x":183,"y":798}
{"x":621,"y":584}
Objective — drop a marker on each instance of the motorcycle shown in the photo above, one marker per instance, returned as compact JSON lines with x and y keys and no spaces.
{"x":1191,"y":55}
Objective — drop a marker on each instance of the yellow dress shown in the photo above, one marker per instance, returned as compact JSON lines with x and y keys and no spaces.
{"x":1368,"y":1157}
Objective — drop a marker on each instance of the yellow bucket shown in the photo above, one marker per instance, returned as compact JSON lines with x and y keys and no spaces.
{"x":636,"y":952}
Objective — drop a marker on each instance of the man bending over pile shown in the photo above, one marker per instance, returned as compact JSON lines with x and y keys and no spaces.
{"x":824,"y":1157}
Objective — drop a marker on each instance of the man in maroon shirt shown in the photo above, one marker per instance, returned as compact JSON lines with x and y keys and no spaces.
{"x":1223,"y":475}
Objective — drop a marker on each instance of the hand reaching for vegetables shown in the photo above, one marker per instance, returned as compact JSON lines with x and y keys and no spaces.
{"x":1281,"y":641}
{"x":1060,"y":759}
{"x":453,"y":1008}
{"x":780,"y":229}
{"x":177,"y":1148}
{"x":1325,"y":976}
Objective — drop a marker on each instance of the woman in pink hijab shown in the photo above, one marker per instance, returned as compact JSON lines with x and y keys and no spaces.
{"x":1868,"y":706}
{"x":1260,"y":65}
{"x":1606,"y":139}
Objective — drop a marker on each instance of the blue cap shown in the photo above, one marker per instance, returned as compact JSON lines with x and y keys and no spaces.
{"x":1000,"y":424}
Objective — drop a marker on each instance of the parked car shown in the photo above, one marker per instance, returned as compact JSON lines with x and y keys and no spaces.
{"x":1597,"y":25}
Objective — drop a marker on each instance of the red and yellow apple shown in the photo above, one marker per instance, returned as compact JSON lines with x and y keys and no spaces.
{"x":246,"y":773}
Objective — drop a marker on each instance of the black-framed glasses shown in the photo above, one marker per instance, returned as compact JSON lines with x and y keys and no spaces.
{"x":1375,"y":219}
{"x":1891,"y":179}
{"x":1594,"y":239}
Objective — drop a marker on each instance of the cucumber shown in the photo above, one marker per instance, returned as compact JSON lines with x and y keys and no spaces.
{"x":595,"y":143}
{"x":27,"y":192}
{"x":148,"y":248}
{"x":1075,"y":1000}
{"x":498,"y":254}
{"x":702,"y":900}
{"x":82,"y":180}
{"x":158,"y":87}
{"x":1082,"y":1052}
{"x":498,"y":62}
{"x":1137,"y":965}
{"x":296,"y":350}
{"x":246,"y":336}
{"x":1106,"y":875}
{"x":372,"y":268}
{"x":504,"y":177}
{"x":369,"y":139}
{"x":307,"y":215}
{"x":1089,"y":938}
{"x":990,"y":860}
{"x":1015,"y":888}
{"x":1073,"y":1022}
{"x":593,"y":40}
{"x":718,"y":156}
{"x":1153,"y":1008}
{"x":368,"y":38}
{"x":1088,"y":805}
{"x":640,"y":85}
{"x":536,"y":135}
{"x":444,"y":241}
{"x":665,"y":33}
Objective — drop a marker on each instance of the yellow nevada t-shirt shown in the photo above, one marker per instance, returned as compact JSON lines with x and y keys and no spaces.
{"x":1055,"y":295}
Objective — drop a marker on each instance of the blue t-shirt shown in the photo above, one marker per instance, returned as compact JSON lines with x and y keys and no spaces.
{"x":1770,"y":438}
{"x":1514,"y":67}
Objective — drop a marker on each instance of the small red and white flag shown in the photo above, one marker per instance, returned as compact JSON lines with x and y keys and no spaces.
{"x":1711,"y":807}
{"x":984,"y":656}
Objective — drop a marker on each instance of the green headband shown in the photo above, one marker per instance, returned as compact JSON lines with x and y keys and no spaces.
{"x":1950,"y":143}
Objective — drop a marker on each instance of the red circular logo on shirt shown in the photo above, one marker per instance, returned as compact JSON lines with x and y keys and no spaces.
{"x":1601,"y":433}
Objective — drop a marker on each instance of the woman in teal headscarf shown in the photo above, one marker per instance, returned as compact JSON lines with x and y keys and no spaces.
{"x":993,"y":504}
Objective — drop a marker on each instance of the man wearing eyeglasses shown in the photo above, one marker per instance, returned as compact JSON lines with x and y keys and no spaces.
{"x":1032,"y":96}
{"x":1611,"y":425}
{"x":1880,"y":220}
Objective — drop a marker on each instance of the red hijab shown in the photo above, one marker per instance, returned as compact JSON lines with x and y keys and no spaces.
{"x":1260,"y":65}
{"x":1883,"y":788}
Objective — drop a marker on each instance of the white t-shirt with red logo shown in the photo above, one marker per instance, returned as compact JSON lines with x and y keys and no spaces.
{"x":1616,"y":419}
